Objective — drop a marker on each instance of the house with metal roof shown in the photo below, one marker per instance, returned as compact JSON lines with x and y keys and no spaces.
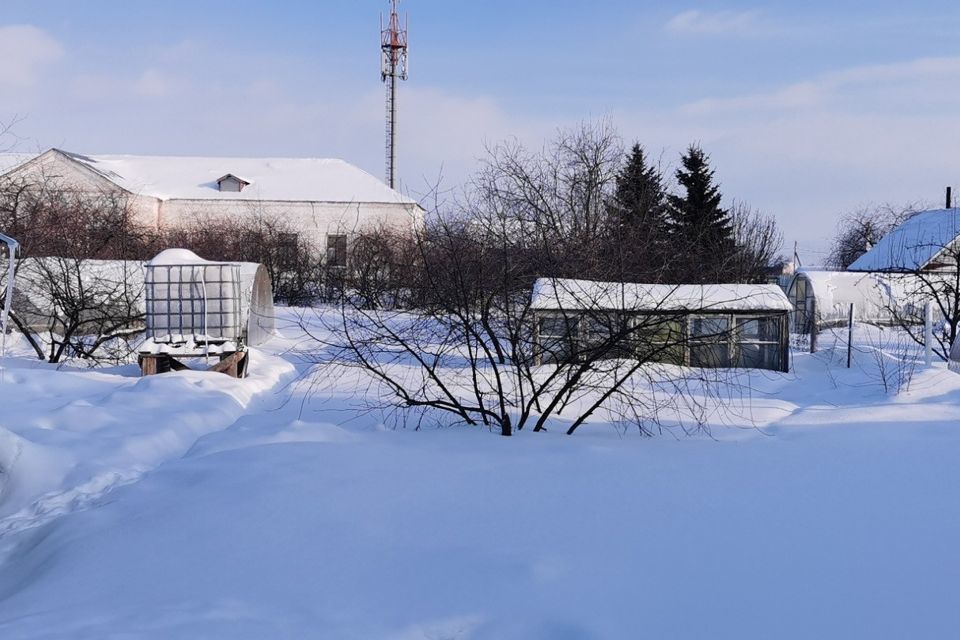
{"x":927,"y":241}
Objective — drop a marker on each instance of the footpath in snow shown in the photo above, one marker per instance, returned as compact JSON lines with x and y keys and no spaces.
{"x":68,"y":437}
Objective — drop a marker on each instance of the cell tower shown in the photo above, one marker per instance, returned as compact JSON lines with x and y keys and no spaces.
{"x":393,"y":67}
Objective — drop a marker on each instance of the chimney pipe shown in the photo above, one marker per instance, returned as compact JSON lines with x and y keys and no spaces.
{"x":949,"y":198}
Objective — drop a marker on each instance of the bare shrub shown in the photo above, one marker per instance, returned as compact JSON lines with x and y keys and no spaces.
{"x":81,"y":308}
{"x":465,"y":341}
{"x":757,"y":243}
{"x":296,"y":267}
{"x":474,"y":354}
{"x":893,"y":355}
{"x":79,"y":281}
{"x":382,"y":269}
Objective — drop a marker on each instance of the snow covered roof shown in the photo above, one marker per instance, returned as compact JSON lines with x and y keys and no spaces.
{"x":571,"y":295}
{"x":277,"y":179}
{"x":913,"y":244}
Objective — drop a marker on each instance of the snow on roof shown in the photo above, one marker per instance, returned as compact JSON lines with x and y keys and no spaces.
{"x":551,"y":293}
{"x":913,"y":244}
{"x":278,"y":179}
{"x":176,"y":257}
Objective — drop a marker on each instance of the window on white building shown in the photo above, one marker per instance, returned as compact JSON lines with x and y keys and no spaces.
{"x":336,"y":250}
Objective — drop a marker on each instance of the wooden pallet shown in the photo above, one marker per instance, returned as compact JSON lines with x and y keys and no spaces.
{"x":163,"y":356}
{"x":233,"y":364}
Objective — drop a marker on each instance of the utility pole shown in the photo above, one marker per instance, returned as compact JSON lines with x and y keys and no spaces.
{"x":393,"y":67}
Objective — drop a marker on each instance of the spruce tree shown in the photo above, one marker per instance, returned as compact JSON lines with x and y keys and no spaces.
{"x":701,"y":232}
{"x":638,"y":217}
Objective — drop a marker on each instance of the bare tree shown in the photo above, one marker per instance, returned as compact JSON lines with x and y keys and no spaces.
{"x":916,"y":289}
{"x":81,"y":308}
{"x":472,"y":349}
{"x":80,"y":281}
{"x":467,"y":340}
{"x":296,"y":267}
{"x":757,"y":243}
{"x":861,"y":229}
{"x":9,"y":139}
{"x":920,"y":266}
{"x":553,"y":203}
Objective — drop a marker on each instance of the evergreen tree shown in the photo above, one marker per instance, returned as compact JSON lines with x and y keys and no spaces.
{"x":638,"y":218}
{"x":701,"y":232}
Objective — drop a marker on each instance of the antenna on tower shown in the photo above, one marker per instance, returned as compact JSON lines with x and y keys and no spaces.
{"x":393,"y":67}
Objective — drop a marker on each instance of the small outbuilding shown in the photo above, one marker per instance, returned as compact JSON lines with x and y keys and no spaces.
{"x":711,"y":325}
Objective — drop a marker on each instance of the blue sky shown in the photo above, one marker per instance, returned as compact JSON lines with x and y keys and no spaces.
{"x":808,"y":109}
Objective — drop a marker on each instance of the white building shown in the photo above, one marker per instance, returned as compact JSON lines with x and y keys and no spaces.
{"x":326,"y":200}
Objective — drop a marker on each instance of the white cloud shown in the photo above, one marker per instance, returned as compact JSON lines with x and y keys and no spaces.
{"x":25,"y":51}
{"x":93,"y":87}
{"x":796,"y":96}
{"x":448,"y":131}
{"x":154,"y":83}
{"x":810,"y":150}
{"x":699,"y":22}
{"x":899,"y":87}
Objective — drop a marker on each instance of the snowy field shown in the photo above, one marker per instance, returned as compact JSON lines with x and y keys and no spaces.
{"x":191,"y":505}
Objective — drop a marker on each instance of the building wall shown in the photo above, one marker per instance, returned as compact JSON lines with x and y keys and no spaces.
{"x":315,"y":220}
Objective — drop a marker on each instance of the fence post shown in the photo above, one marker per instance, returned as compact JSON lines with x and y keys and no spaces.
{"x":928,"y":333}
{"x":850,"y":336}
{"x":814,"y":330}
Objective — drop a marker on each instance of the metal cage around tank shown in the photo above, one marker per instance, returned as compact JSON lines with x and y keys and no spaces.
{"x":194,"y":300}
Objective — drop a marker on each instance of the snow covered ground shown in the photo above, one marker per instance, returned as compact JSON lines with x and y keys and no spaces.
{"x":190,"y":505}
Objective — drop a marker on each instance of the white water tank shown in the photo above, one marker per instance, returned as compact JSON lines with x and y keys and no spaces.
{"x":189,"y":297}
